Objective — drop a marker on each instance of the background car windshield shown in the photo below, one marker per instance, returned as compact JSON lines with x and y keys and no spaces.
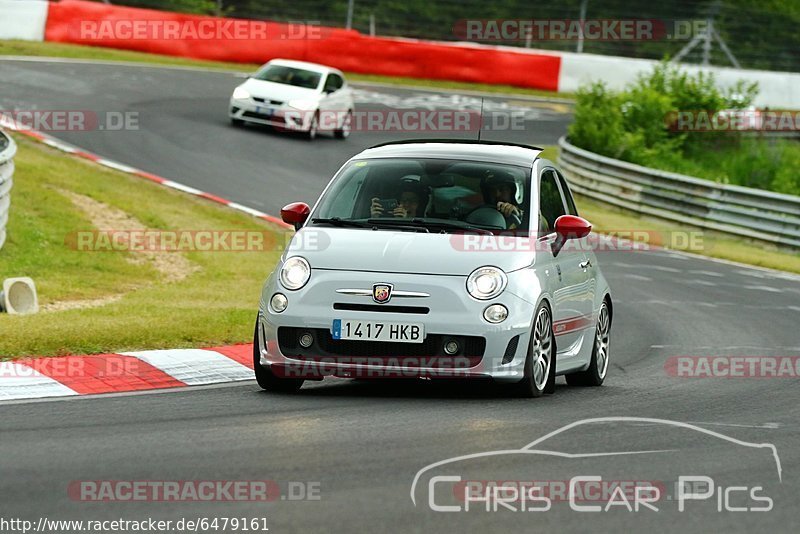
{"x":289,"y":76}
{"x":449,"y":190}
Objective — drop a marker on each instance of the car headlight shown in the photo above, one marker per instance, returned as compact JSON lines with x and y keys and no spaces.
{"x":240,"y":93}
{"x":306,"y":105}
{"x":486,"y":282}
{"x":295,"y":273}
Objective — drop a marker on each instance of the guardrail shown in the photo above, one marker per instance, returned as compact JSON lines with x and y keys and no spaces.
{"x":7,"y":150}
{"x":742,"y":211}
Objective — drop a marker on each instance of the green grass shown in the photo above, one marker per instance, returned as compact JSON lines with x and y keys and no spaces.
{"x":609,"y":219}
{"x":216,"y":304}
{"x":59,"y":50}
{"x":761,"y":163}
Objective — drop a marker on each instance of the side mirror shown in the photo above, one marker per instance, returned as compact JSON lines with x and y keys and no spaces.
{"x":295,"y":214}
{"x":572,"y":227}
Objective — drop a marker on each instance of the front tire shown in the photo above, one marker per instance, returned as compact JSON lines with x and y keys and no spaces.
{"x":313,"y":128}
{"x":540,"y":363}
{"x":237,"y":122}
{"x":347,"y":125}
{"x":598,"y":366}
{"x":266,"y":378}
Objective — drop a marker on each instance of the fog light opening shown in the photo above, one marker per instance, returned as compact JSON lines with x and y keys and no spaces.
{"x":278,"y":302}
{"x":306,"y":340}
{"x":496,"y":313}
{"x":451,"y":347}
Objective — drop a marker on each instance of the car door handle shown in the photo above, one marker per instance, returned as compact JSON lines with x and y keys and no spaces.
{"x":585,"y":264}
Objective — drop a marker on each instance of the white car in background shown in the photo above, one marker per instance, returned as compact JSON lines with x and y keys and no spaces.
{"x":295,"y":96}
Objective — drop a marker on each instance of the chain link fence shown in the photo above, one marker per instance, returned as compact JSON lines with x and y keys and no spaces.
{"x":759,"y":35}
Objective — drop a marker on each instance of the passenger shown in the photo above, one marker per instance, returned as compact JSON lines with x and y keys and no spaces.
{"x":409,"y":200}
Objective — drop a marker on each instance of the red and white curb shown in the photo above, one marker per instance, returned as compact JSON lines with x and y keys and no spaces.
{"x":67,"y":376}
{"x":127,"y":169}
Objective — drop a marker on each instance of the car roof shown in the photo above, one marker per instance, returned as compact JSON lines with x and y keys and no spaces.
{"x":467,"y":149}
{"x":316,"y":67}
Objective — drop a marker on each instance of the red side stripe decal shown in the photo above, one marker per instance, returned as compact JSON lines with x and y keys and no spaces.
{"x":572,"y":324}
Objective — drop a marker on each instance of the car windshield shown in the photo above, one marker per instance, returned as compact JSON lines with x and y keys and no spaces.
{"x":439,"y":195}
{"x":307,"y":79}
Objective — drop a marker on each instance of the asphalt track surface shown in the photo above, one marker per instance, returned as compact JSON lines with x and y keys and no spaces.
{"x":363,"y":443}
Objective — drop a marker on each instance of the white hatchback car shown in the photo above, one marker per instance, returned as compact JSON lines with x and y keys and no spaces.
{"x":438,"y":259}
{"x":295,"y":96}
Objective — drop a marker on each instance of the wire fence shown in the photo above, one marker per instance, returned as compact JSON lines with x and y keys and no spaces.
{"x":759,"y":35}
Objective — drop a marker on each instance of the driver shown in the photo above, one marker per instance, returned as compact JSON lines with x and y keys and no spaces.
{"x":500,"y":191}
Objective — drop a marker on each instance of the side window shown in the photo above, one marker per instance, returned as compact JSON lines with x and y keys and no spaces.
{"x":551,"y":205}
{"x":571,"y":209}
{"x":333,"y":83}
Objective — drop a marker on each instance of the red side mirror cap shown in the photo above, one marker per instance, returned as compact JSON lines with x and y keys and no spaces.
{"x":572,"y":227}
{"x":295,"y":213}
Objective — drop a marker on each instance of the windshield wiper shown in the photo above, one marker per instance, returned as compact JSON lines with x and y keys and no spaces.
{"x":374,"y":224}
{"x":338,"y":221}
{"x":432,"y":225}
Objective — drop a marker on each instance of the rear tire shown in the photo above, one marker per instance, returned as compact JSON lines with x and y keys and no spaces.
{"x":540,"y":363}
{"x":598,"y":366}
{"x":266,"y":378}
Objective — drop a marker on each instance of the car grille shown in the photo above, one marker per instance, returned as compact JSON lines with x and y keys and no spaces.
{"x":262,"y":116}
{"x":380,"y":308}
{"x":263,"y":100}
{"x":325,"y":348}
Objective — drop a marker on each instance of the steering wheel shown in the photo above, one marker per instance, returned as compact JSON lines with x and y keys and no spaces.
{"x":514,"y":218}
{"x":490,"y":212}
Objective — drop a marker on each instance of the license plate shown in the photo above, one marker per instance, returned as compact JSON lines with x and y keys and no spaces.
{"x":268,"y":111}
{"x":378,"y":331}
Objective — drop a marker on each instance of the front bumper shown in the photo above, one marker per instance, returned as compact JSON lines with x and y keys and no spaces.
{"x":265,"y":113}
{"x":487,"y":350}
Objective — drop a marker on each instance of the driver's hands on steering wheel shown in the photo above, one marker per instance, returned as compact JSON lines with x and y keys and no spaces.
{"x":508,"y":209}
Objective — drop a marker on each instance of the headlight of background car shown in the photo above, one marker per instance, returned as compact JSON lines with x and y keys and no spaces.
{"x":295,"y":273}
{"x":486,"y":282}
{"x":307,"y":105}
{"x":240,"y":93}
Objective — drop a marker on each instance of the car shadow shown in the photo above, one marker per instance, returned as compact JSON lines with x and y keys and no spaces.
{"x":263,"y":129}
{"x":476,"y":389}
